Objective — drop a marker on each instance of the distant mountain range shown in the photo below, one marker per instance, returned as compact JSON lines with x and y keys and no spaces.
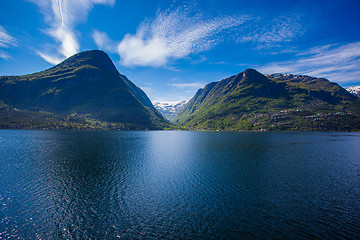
{"x":168,"y":109}
{"x":87,"y":92}
{"x":253,"y":101}
{"x":354,"y":90}
{"x":84,"y":91}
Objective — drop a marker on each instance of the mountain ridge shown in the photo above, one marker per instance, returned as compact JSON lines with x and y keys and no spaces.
{"x":87,"y":91}
{"x":87,"y":86}
{"x":253,"y":101}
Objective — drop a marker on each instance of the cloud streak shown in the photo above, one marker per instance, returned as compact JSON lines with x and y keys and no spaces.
{"x":177,"y":33}
{"x":172,"y":34}
{"x":6,"y":41}
{"x":272,"y":32}
{"x":62,"y":16}
{"x":339,"y":63}
{"x":103,"y":41}
{"x":195,"y":85}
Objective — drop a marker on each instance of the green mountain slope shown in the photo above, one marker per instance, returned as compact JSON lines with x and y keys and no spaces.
{"x":253,"y":101}
{"x":86,"y":88}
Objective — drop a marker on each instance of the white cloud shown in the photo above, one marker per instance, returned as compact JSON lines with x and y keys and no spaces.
{"x":103,"y":42}
{"x":339,"y":63}
{"x":62,"y":16}
{"x":177,"y":33}
{"x":147,"y":90}
{"x":187,"y":85}
{"x":269,"y":33}
{"x":50,"y":59}
{"x":173,"y":34}
{"x":5,"y":42}
{"x":6,"y":39}
{"x":4,"y":55}
{"x":201,"y":59}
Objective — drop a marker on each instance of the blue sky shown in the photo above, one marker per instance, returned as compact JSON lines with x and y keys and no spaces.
{"x":172,"y":48}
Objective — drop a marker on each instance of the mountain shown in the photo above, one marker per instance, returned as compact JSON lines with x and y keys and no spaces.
{"x":253,"y":101}
{"x":168,"y":109}
{"x":84,"y":91}
{"x":354,"y":90}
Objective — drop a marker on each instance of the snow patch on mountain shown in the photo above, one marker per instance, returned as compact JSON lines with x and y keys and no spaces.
{"x":354,"y":90}
{"x":168,"y":109}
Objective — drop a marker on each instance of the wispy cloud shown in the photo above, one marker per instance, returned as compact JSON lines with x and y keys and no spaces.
{"x":339,"y":63}
{"x":49,"y":58}
{"x":3,"y":55}
{"x":6,"y":39}
{"x":267,"y":33}
{"x":173,"y":34}
{"x":177,"y":33}
{"x":201,"y":59}
{"x":195,"y":85}
{"x":148,"y":90}
{"x":5,"y":42}
{"x":103,"y":41}
{"x":62,"y":16}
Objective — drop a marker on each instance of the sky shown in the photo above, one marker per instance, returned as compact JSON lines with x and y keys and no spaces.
{"x":171,"y":48}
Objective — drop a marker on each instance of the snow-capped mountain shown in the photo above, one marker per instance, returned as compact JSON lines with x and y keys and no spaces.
{"x":354,"y":90}
{"x":168,"y":109}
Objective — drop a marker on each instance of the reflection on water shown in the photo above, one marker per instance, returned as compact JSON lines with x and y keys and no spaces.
{"x":178,"y":185}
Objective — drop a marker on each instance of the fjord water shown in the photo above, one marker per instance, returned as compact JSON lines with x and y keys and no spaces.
{"x":179,"y":185}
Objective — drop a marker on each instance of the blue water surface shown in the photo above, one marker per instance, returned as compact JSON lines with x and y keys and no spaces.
{"x":179,"y":185}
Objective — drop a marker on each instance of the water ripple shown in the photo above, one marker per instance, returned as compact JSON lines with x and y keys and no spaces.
{"x":179,"y":185}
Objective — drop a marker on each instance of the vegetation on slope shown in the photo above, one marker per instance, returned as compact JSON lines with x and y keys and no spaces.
{"x":86,"y":88}
{"x":253,"y":101}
